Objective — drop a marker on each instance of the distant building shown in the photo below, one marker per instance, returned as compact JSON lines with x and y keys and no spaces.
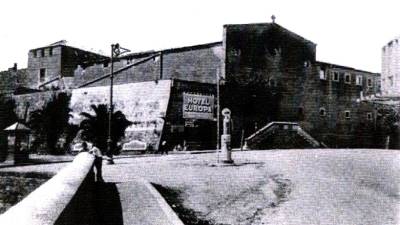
{"x":52,"y":66}
{"x":391,"y":68}
{"x":267,"y":73}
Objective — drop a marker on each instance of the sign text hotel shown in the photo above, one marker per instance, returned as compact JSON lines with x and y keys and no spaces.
{"x":197,"y":106}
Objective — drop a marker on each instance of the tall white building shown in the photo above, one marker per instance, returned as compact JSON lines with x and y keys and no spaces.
{"x":391,"y":68}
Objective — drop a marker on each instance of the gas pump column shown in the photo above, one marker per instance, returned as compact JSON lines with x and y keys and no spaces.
{"x":226,"y":137}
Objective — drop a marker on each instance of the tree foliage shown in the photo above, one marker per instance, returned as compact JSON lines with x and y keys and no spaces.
{"x":51,"y":122}
{"x":7,"y":117}
{"x":95,"y":128}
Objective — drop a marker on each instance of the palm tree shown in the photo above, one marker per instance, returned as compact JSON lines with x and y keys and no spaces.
{"x":95,"y":128}
{"x":50,"y":122}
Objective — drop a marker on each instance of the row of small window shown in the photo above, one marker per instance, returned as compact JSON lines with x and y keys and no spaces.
{"x":335,"y":76}
{"x":347,"y":114}
{"x":41,"y":52}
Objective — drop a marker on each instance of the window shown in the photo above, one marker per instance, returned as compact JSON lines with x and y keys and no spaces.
{"x":369,"y":83}
{"x":391,"y":81}
{"x":322,"y":111}
{"x":34,"y":53}
{"x":105,"y":64}
{"x":307,"y":64}
{"x":42,"y":52}
{"x":272,"y":83}
{"x":369,"y":116}
{"x":359,"y":80}
{"x":347,"y":114}
{"x":322,"y":75}
{"x":50,"y":51}
{"x":347,"y":78}
{"x":42,"y":75}
{"x":335,"y":76}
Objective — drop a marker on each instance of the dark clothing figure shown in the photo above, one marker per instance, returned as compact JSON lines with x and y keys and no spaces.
{"x":98,"y":163}
{"x":98,"y":160}
{"x":163,"y":148}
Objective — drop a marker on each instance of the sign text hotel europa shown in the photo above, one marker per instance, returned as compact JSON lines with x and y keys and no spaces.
{"x":197,"y":106}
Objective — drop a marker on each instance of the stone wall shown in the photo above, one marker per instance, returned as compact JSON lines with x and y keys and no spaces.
{"x":271,"y":75}
{"x":37,"y":61}
{"x":27,"y":103}
{"x":391,"y":67}
{"x":67,"y":198}
{"x":13,"y":78}
{"x":332,"y":127}
{"x":144,"y":104}
{"x":264,"y":63}
{"x":195,"y":63}
{"x":57,"y":60}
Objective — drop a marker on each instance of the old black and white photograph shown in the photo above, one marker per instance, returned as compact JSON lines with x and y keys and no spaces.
{"x":205,"y":112}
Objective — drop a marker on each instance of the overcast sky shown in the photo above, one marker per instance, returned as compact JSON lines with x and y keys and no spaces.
{"x":349,"y":33}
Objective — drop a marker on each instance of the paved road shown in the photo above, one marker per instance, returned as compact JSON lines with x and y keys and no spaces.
{"x":338,"y":186}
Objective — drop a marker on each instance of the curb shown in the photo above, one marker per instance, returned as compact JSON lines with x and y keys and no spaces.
{"x":166,"y":208}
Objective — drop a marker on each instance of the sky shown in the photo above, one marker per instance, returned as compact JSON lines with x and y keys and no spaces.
{"x":349,"y":33}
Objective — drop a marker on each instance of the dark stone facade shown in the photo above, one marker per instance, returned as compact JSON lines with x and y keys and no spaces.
{"x":200,"y":134}
{"x":272,"y":75}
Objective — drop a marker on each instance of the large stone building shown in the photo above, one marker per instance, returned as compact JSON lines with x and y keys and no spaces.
{"x":267,"y":73}
{"x":391,"y":68}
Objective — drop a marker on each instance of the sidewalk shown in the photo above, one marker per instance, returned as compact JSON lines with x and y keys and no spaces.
{"x":141,"y":206}
{"x":135,"y":203}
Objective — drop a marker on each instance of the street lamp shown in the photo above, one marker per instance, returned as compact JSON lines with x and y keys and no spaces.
{"x":116,"y":51}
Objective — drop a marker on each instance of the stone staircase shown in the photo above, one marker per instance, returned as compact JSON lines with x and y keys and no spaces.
{"x":282,"y":135}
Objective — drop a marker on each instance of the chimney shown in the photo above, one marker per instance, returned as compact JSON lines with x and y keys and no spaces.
{"x":15,"y":68}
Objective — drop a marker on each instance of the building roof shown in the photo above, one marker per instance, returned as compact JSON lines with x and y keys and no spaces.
{"x":251,"y":25}
{"x":344,"y":67}
{"x":17,"y":127}
{"x":172,"y":50}
{"x":64,"y":43}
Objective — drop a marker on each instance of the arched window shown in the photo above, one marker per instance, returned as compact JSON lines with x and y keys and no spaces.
{"x":322,"y":111}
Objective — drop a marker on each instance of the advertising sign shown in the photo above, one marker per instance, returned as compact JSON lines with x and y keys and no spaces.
{"x":196,"y":106}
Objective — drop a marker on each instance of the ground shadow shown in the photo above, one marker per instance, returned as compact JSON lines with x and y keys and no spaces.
{"x":107,"y":202}
{"x":188,"y":216}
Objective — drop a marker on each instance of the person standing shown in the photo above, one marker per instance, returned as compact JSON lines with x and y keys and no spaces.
{"x":98,"y":162}
{"x":84,"y":147}
{"x":163,"y":147}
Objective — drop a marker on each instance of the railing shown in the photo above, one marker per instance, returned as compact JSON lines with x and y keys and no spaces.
{"x":61,"y":200}
{"x":308,"y":137}
{"x":270,"y":128}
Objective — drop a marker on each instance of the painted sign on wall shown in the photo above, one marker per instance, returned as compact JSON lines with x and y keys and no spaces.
{"x":196,"y":106}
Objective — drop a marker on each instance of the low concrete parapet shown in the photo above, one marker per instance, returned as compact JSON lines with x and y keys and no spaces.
{"x":61,"y":200}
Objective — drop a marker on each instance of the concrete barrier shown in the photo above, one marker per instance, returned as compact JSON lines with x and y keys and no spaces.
{"x":65,"y":199}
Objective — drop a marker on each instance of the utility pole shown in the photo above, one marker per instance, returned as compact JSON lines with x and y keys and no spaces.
{"x":218,"y":111}
{"x":115,"y":52}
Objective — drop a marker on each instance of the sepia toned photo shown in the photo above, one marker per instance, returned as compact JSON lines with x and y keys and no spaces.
{"x":199,"y":112}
